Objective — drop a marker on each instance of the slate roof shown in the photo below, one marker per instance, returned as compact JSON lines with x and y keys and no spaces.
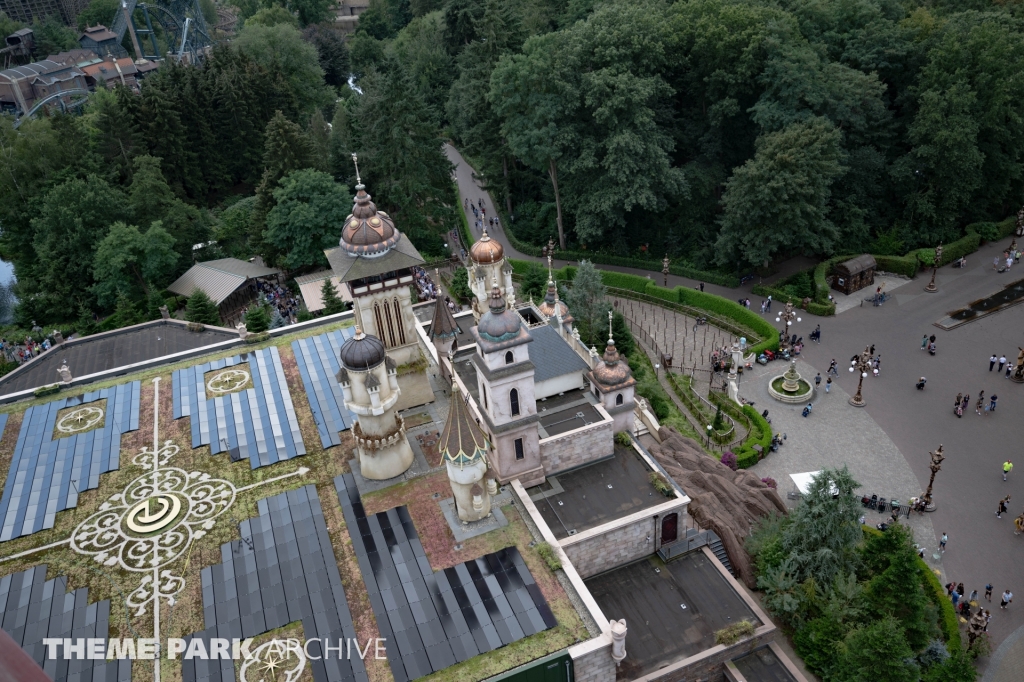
{"x":443,"y":324}
{"x":462,"y":442}
{"x":218,"y":278}
{"x":109,"y":350}
{"x":348,"y":267}
{"x":552,"y":356}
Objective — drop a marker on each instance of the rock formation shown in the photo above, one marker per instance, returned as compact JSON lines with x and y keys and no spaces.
{"x":726,"y":501}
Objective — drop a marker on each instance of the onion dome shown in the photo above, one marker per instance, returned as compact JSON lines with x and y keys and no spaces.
{"x":367,"y":231}
{"x":612,"y":372}
{"x":499,"y":323}
{"x":486,"y":251}
{"x":362,"y":352}
{"x":462,"y":442}
{"x":551,"y":305}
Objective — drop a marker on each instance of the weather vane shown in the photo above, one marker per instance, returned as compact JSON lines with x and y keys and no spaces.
{"x":355,"y":160}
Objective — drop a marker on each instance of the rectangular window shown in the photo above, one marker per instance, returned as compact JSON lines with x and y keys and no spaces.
{"x":520,"y":453}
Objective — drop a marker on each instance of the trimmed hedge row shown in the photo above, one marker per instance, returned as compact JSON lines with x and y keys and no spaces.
{"x":467,"y":234}
{"x":734,"y":311}
{"x":760,"y":434}
{"x":949,"y":622}
{"x":900,"y":265}
{"x":969,"y":243}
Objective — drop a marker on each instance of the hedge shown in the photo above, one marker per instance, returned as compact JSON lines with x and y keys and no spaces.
{"x":900,"y":265}
{"x":467,"y":234}
{"x":949,"y":622}
{"x":991,"y":232}
{"x":969,"y":243}
{"x":734,"y":311}
{"x":760,"y":434}
{"x":621,"y":280}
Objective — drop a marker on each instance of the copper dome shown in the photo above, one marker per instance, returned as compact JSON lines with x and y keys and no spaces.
{"x":612,"y":370}
{"x":486,"y":251}
{"x":551,"y":304}
{"x":367,"y":231}
{"x":362,"y":352}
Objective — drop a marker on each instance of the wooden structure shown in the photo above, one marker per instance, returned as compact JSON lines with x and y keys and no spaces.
{"x":854,"y":274}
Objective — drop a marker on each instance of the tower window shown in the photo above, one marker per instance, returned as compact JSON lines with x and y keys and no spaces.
{"x":509,"y":357}
{"x":483,"y":392}
{"x":520,"y":451}
{"x":513,"y":400}
{"x":618,"y":399}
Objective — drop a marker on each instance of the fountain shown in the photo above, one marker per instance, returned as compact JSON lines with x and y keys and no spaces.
{"x":790,"y":387}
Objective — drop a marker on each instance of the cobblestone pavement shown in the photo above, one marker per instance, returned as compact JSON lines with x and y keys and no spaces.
{"x":675,"y":333}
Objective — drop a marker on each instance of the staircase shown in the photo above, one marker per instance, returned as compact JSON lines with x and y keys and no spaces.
{"x":695,"y":539}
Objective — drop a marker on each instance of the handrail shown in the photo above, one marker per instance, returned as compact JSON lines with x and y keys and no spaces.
{"x":720,"y":322}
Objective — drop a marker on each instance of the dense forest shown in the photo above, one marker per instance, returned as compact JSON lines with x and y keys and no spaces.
{"x":726,"y":133}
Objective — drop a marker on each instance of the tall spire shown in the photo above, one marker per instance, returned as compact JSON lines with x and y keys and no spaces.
{"x":611,"y":338}
{"x":462,"y":441}
{"x":355,"y":160}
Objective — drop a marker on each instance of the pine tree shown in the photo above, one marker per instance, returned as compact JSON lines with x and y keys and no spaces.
{"x":588,"y":304}
{"x":286,"y":149}
{"x":332,"y":302}
{"x":257,"y":319}
{"x":202,"y":309}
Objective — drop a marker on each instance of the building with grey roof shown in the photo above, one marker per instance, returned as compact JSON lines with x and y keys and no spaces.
{"x":226,"y":281}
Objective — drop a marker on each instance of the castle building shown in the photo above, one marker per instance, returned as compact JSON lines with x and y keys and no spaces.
{"x":488,"y":264}
{"x":505,"y":381}
{"x":369,"y":381}
{"x":464,"y":448}
{"x":613,"y":384}
{"x":374,"y":260}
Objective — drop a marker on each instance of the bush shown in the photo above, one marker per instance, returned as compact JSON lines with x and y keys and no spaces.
{"x":969,"y":243}
{"x":733,"y":311}
{"x":46,"y":390}
{"x":257,"y":319}
{"x":821,"y":309}
{"x":623,"y":439}
{"x":729,"y":459}
{"x":899,"y":265}
{"x":989,"y":232}
{"x":621,"y":280}
{"x":202,"y":309}
{"x":459,"y":286}
{"x":661,"y":484}
{"x":547,"y":553}
{"x":253,"y":339}
{"x":760,"y":434}
{"x":731,"y":634}
{"x":770,"y":482}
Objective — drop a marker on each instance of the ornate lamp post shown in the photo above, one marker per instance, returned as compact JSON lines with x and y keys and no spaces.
{"x":935,"y":466}
{"x":861,"y":364}
{"x":1018,"y":370}
{"x":664,"y":269}
{"x":931,"y":288}
{"x":787,"y":316}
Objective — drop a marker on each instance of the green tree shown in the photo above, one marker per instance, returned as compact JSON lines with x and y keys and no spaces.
{"x":234,"y":228}
{"x":133,"y":263}
{"x":151,"y":199}
{"x":8,"y":25}
{"x":896,"y":587}
{"x":383,"y":19}
{"x":116,"y":133}
{"x":419,"y":48}
{"x":309,"y":206}
{"x":318,"y":134}
{"x":286,"y":149}
{"x":588,"y":304}
{"x":823,"y":532}
{"x":202,"y":309}
{"x":777,"y":202}
{"x":272,"y":16}
{"x":311,"y":11}
{"x":257,"y":319}
{"x":332,"y":302}
{"x":957,"y":668}
{"x":460,"y":17}
{"x":51,"y":37}
{"x":878,"y":651}
{"x":209,"y":11}
{"x":534,"y":283}
{"x":459,"y":287}
{"x":73,"y":219}
{"x":126,"y":313}
{"x":98,"y":12}
{"x":331,"y":52}
{"x":280,"y":49}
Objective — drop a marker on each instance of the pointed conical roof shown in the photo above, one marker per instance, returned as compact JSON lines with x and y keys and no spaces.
{"x":443,"y":324}
{"x":462,"y":442}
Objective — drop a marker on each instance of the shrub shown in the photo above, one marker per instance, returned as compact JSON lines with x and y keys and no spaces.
{"x":989,"y":232}
{"x":899,"y":265}
{"x":770,"y":482}
{"x":661,"y":484}
{"x":202,"y":309}
{"x":253,"y":339}
{"x":46,"y":390}
{"x":821,"y":309}
{"x":733,"y":311}
{"x":459,"y":287}
{"x":257,"y":319}
{"x":548,"y":554}
{"x":760,"y":434}
{"x":731,"y":634}
{"x":623,"y":439}
{"x":969,"y":243}
{"x":729,"y":459}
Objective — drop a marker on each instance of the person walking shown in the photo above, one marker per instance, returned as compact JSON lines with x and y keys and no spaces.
{"x":981,"y":402}
{"x":833,"y":368}
{"x":1002,"y":507}
{"x":1018,"y":524}
{"x":988,"y":591}
{"x":992,"y":403}
{"x":769,"y":298}
{"x":1006,"y":599}
{"x":965,"y":403}
{"x":817,"y":380}
{"x":1009,"y":369}
{"x":955,"y":596}
{"x":988,"y":617}
{"x":942,"y":542}
{"x":924,"y":342}
{"x":1007,"y":468}
{"x":992,"y":362}
{"x":973,"y":598}
{"x":1002,"y":361}
{"x":817,"y":333}
{"x":828,"y":384}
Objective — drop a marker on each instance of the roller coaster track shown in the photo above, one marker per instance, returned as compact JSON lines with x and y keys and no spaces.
{"x":54,"y":97}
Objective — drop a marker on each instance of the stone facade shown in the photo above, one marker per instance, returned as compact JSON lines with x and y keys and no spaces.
{"x":387,"y":314}
{"x":577,"y":447}
{"x":592,"y":660}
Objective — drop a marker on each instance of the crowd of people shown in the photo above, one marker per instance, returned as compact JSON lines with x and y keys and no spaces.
{"x":279,"y":297}
{"x":24,"y":351}
{"x":428,"y":291}
{"x":480,"y":214}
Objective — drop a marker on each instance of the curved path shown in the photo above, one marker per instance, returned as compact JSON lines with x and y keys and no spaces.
{"x":981,"y":547}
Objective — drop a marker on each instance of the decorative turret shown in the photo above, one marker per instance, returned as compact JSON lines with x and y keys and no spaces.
{"x":369,"y":381}
{"x":464,"y":448}
{"x":612,"y":381}
{"x":444,"y":331}
{"x":552,"y":307}
{"x":488,"y":264}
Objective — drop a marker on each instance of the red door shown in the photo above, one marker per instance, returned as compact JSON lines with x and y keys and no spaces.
{"x":669,"y":528}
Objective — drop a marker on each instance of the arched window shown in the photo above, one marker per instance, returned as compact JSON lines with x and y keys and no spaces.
{"x":509,"y":357}
{"x":513,"y":399}
{"x":618,"y":399}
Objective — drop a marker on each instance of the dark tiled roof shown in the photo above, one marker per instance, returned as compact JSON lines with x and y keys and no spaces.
{"x":109,"y":350}
{"x":552,"y":356}
{"x":443,"y":324}
{"x":462,"y":442}
{"x":348,"y":267}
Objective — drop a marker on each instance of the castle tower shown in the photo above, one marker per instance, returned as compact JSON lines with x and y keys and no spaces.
{"x":506,"y":388}
{"x":488,"y":264}
{"x":463,"y":449}
{"x":374,"y":260}
{"x":443,"y":332}
{"x":369,"y":380}
{"x":613,"y":384}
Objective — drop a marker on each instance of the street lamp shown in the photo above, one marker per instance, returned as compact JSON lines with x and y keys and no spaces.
{"x":931,"y":288}
{"x":935,"y":466}
{"x":787,"y":316}
{"x":664,"y":269}
{"x":709,"y":435}
{"x":862,"y":364}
